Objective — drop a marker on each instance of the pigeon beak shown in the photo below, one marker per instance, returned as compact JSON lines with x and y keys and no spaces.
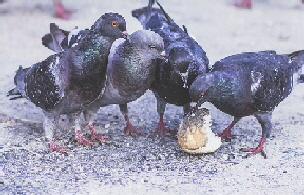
{"x":201,"y":99}
{"x":125,"y":34}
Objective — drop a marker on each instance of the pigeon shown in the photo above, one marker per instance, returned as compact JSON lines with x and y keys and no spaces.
{"x":138,"y":41}
{"x":67,"y":82}
{"x":185,"y":61}
{"x":131,"y":70}
{"x":251,"y":83}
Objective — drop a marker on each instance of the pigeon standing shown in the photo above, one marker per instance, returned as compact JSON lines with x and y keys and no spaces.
{"x":186,"y":60}
{"x":131,"y":70}
{"x":67,"y":82}
{"x":249,"y":84}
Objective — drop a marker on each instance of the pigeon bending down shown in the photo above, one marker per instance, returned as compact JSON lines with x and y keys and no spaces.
{"x":249,"y":84}
{"x":67,"y":82}
{"x":185,"y":61}
{"x":131,"y":70}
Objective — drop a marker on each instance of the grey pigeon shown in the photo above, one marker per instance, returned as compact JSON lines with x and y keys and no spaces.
{"x":67,"y":82}
{"x":249,"y":84}
{"x":130,"y":72}
{"x":186,"y":60}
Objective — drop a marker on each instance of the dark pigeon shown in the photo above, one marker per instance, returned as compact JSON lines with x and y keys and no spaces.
{"x":67,"y":82}
{"x":249,"y":84}
{"x":131,"y":70}
{"x":186,"y":60}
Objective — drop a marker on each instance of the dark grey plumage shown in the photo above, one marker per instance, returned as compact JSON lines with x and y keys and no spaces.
{"x":130,"y":72}
{"x":249,"y":84}
{"x":186,"y":60}
{"x":67,"y":82}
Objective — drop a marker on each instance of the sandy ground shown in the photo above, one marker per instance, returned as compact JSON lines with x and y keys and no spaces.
{"x":152,"y":165}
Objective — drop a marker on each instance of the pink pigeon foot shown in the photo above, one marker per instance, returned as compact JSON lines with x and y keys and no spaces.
{"x":245,"y":4}
{"x":80,"y":139}
{"x":161,"y":128}
{"x":54,"y":148}
{"x":130,"y":129}
{"x":258,"y":149}
{"x":61,"y":12}
{"x":97,"y":137}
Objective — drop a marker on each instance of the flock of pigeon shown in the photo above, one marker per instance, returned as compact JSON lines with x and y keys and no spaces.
{"x":104,"y":65}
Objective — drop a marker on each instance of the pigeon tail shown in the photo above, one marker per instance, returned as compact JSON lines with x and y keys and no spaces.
{"x":18,"y":91}
{"x":165,"y":13}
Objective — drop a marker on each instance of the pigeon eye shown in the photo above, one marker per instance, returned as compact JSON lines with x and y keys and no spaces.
{"x":114,"y":24}
{"x":201,"y":95}
{"x":152,"y":46}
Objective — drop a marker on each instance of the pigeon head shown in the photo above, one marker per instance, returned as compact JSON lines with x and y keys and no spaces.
{"x":298,"y":57}
{"x":201,"y":89}
{"x":111,"y":25}
{"x":19,"y":82}
{"x":180,"y":60}
{"x":146,"y":39}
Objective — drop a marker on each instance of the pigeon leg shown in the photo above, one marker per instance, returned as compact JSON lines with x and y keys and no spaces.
{"x":78,"y":133}
{"x":161,"y":129}
{"x":88,"y":116}
{"x":265,"y":121}
{"x":247,"y":4}
{"x":227,"y":132}
{"x":97,"y":137}
{"x":258,"y":149}
{"x":49,"y":127}
{"x":129,"y":129}
{"x":54,"y":148}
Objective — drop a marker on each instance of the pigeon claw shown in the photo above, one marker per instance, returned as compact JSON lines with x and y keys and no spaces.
{"x":54,"y":148}
{"x":254,"y":151}
{"x":161,"y":130}
{"x":63,"y":13}
{"x":133,"y":131}
{"x":80,"y":139}
{"x":100,"y":138}
{"x":258,"y":149}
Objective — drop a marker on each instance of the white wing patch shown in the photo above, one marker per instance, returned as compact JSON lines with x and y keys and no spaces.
{"x":256,"y":80}
{"x":56,"y":74}
{"x":75,"y":31}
